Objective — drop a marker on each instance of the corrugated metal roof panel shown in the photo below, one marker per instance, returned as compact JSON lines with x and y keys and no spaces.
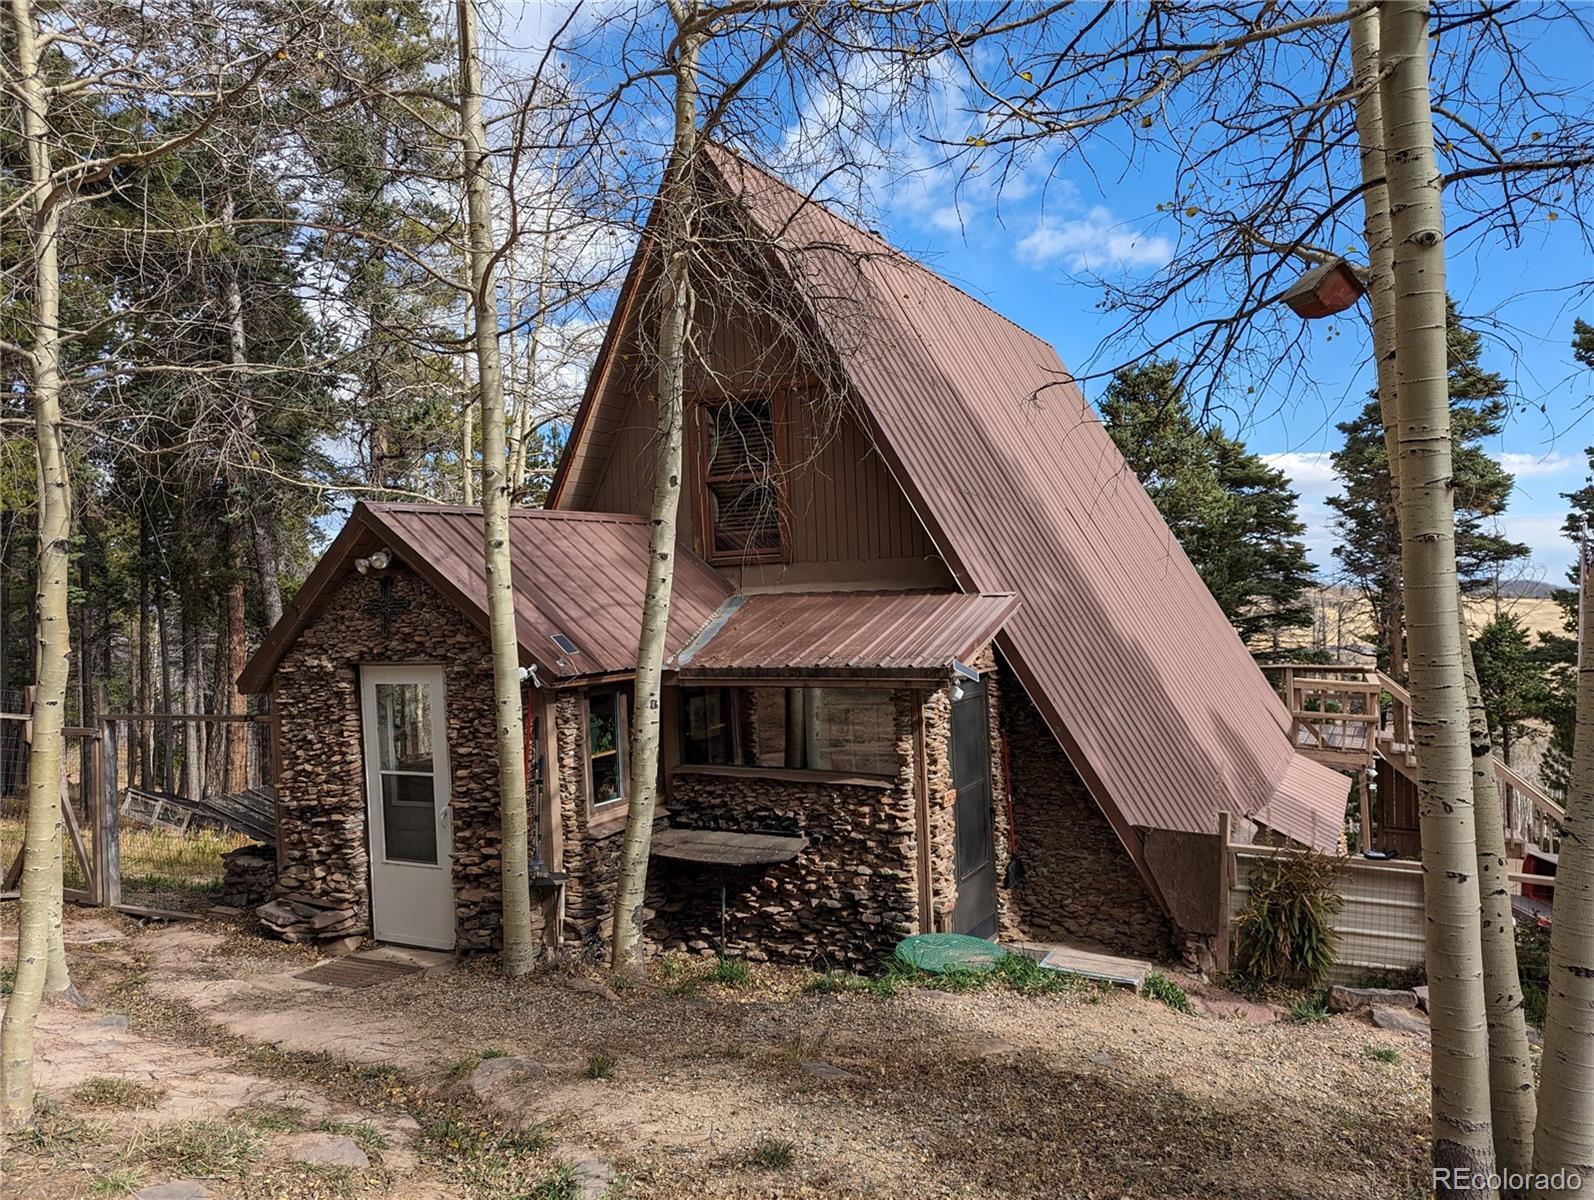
{"x":1119,"y":642}
{"x":1307,"y":807}
{"x":582,"y":575}
{"x":847,"y":631}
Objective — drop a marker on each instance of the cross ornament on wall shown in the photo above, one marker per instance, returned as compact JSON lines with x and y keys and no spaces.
{"x":386,"y":604}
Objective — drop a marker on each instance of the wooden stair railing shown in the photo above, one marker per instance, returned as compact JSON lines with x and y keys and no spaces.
{"x":1543,"y":820}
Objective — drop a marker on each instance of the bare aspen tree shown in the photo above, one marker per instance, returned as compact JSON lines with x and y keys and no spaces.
{"x":519,"y":945}
{"x":1462,"y":1137}
{"x":675,"y":221}
{"x":1365,"y":67}
{"x":41,"y":877}
{"x":1512,"y":1103}
{"x":1510,"y":1066}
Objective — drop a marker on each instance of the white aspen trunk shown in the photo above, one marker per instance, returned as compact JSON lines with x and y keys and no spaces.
{"x":519,"y":946}
{"x":674,"y":251}
{"x":1512,"y":1105}
{"x":1463,"y":1141}
{"x":41,"y":873}
{"x":262,"y":543}
{"x":1365,"y":66}
{"x":1510,"y":1068}
{"x":1564,"y":1137}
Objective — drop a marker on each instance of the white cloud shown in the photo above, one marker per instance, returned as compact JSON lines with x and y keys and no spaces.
{"x":1313,"y":471}
{"x":1525,"y":465}
{"x":1312,"y":476}
{"x":1096,"y":241}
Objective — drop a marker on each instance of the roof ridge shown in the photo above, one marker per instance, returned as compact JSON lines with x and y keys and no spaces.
{"x":896,"y":251}
{"x":410,"y":506}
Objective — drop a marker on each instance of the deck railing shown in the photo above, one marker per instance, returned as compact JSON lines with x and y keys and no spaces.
{"x":1329,"y":702}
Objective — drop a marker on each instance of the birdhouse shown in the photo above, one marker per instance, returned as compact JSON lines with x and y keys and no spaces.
{"x":1325,"y":290}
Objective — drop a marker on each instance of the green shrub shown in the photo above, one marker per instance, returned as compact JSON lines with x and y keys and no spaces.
{"x":599,"y":1066}
{"x":772,"y":1154}
{"x":1383,"y":1054}
{"x":1158,"y":986}
{"x":1286,"y":928}
{"x":1309,"y":1010}
{"x":732,"y":972}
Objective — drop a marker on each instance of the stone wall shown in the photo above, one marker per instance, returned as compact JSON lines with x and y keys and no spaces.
{"x":846,"y":900}
{"x":1078,"y":883}
{"x":591,"y":856}
{"x":321,"y":779}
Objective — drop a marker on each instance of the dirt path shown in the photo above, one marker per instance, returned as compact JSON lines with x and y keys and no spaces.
{"x":694,"y":1089}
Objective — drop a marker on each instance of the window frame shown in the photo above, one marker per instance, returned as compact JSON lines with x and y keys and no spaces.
{"x":611,"y":811}
{"x":730,"y":698}
{"x":701,"y":409}
{"x":739,"y":767}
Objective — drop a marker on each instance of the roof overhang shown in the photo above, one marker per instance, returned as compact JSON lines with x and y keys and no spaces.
{"x":882,"y":635}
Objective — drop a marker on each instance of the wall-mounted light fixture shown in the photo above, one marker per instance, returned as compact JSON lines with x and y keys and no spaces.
{"x":380,"y":561}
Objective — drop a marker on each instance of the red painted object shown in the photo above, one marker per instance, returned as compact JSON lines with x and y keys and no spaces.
{"x":1325,"y":290}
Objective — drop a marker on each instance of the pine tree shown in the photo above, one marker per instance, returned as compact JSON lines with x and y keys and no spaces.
{"x":1511,"y":678}
{"x":1558,"y":652}
{"x":1365,"y":522}
{"x":1234,"y":515}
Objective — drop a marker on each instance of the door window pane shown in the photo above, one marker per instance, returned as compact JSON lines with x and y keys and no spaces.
{"x":404,"y":726}
{"x":409,"y":818}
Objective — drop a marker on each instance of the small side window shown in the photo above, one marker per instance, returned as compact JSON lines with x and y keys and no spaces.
{"x":608,"y":742}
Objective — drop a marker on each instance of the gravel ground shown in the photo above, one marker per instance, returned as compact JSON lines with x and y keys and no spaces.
{"x":925,"y":1094}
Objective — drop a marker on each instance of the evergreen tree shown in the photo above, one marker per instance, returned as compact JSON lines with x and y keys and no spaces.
{"x":1369,"y":537}
{"x":1558,"y":652}
{"x":1234,"y":515}
{"x":1510,"y":677}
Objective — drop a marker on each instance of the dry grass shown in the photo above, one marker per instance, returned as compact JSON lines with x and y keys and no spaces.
{"x":103,"y":1091}
{"x":154,"y":861}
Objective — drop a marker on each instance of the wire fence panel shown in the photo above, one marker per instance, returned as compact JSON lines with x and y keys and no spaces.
{"x":1380,"y":924}
{"x":188,"y":793}
{"x":183,"y":796}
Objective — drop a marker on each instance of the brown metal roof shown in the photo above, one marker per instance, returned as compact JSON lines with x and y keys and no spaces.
{"x":581,"y":575}
{"x":818,"y":633}
{"x":1120,"y":645}
{"x":1308,"y":807}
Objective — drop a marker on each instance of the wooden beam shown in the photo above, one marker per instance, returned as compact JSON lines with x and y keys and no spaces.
{"x":1221,"y":950}
{"x":921,"y":818}
{"x":101,"y":798}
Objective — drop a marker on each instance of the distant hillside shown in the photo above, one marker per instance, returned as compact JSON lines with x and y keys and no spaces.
{"x":1530,"y":589}
{"x":1342,"y":620}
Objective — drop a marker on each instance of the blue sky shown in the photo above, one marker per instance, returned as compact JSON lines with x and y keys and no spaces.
{"x":1031,"y":254}
{"x":1032,"y":258}
{"x":1028,"y":265}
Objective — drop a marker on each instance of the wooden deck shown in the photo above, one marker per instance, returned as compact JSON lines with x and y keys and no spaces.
{"x":1356,"y":719}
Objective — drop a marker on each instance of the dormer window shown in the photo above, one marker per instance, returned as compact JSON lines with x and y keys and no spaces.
{"x":739,"y":465}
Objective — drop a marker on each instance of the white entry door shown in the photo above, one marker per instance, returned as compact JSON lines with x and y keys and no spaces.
{"x":407,"y":805}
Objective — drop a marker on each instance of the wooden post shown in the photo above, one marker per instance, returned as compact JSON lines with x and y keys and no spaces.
{"x":921,"y":818}
{"x":550,"y":814}
{"x":1221,"y":951}
{"x":101,"y":800}
{"x":1365,"y":842}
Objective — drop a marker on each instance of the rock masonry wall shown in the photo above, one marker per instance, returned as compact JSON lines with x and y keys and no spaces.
{"x":321,"y":781}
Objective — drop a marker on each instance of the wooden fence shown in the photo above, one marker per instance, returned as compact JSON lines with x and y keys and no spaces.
{"x":94,"y":828}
